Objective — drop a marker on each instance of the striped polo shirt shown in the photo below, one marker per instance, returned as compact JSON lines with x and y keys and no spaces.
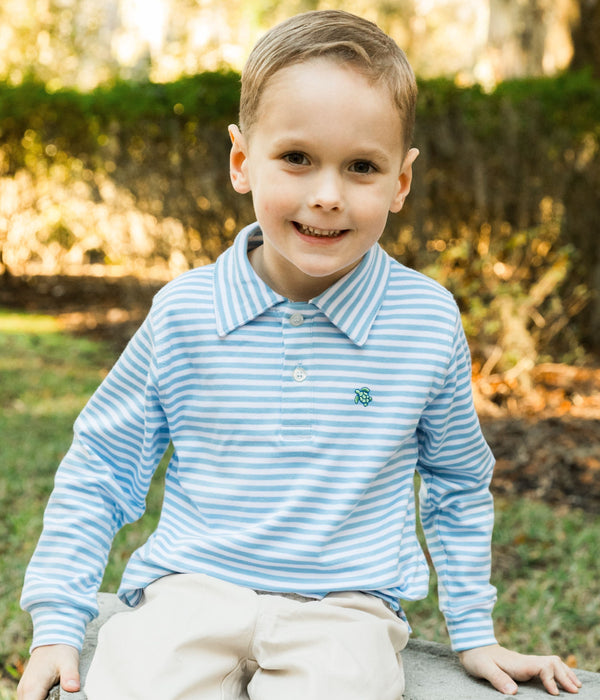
{"x":297,"y":429}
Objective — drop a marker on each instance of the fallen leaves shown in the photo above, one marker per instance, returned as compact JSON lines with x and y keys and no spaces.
{"x":548,"y":389}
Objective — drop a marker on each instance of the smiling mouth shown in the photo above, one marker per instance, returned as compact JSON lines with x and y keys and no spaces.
{"x":319,"y":232}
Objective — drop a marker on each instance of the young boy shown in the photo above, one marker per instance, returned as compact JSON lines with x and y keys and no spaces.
{"x":301,"y":379}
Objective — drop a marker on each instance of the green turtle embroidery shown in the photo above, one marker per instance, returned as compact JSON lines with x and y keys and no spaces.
{"x":363,"y":396}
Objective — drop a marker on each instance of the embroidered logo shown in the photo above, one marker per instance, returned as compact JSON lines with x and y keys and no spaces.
{"x":363,"y":396}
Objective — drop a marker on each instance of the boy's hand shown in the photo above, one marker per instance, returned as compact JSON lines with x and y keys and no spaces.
{"x":47,"y":665}
{"x":500,"y":666}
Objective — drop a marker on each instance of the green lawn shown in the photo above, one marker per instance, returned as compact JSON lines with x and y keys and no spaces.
{"x":546,"y":560}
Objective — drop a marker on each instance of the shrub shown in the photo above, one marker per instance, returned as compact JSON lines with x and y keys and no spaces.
{"x":134,"y":178}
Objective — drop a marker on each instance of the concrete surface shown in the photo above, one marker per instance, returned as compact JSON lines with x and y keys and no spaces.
{"x":432,"y":670}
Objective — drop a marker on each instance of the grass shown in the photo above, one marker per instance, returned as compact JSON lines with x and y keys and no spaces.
{"x":546,"y":559}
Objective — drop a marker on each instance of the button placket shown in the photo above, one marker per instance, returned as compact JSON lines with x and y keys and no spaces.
{"x":296,"y":396}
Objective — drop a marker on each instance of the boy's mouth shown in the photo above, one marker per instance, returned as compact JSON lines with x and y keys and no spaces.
{"x":319,"y":232}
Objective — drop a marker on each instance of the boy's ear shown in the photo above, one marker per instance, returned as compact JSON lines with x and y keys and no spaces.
{"x":404,"y":181}
{"x":238,"y":161}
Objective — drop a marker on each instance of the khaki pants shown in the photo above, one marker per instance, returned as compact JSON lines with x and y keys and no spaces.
{"x":194,"y":637}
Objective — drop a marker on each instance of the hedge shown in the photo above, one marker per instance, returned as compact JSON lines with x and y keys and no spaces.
{"x":504,"y":207}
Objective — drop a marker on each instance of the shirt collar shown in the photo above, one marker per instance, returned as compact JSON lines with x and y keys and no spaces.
{"x":351,"y":304}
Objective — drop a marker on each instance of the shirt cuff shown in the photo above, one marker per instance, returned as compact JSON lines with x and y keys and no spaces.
{"x":476,"y":630}
{"x":53,"y":625}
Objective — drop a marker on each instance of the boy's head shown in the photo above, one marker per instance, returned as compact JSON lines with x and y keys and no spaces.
{"x":327,"y":111}
{"x":338,"y":35}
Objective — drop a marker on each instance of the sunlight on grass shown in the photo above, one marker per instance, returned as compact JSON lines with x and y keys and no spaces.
{"x":27,"y":323}
{"x":7,"y":694}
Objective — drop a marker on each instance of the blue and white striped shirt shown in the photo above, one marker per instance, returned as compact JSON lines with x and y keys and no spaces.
{"x":297,"y":429}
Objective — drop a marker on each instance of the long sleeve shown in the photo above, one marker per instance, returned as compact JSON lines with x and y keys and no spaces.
{"x":456,"y":466}
{"x":101,"y":484}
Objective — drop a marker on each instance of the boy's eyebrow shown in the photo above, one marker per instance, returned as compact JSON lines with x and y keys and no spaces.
{"x":376,"y":154}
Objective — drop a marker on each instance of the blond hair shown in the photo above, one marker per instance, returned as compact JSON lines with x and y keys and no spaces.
{"x":340,"y":36}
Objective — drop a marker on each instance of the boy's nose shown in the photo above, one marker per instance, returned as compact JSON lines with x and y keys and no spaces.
{"x":327,"y":192}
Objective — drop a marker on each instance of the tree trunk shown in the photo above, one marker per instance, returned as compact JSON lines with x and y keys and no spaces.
{"x":516,"y":37}
{"x":586,"y":36}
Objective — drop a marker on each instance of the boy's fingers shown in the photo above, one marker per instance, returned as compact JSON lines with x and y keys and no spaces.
{"x":47,"y":665}
{"x":551,"y":670}
{"x":68,"y":667}
{"x":547,"y":678}
{"x":482,"y":665}
{"x":501,"y":681}
{"x":69,"y":678}
{"x":573,"y":680}
{"x":559,"y":672}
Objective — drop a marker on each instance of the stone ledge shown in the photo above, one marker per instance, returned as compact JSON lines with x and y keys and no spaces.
{"x":432,"y":670}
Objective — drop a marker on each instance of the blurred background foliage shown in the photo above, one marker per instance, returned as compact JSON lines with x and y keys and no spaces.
{"x":84,"y":43}
{"x":114,"y":151}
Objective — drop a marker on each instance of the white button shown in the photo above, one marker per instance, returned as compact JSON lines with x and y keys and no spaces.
{"x":296,"y":319}
{"x":299,"y":374}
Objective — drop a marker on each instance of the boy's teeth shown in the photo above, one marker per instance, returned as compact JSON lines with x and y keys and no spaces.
{"x":310,"y":231}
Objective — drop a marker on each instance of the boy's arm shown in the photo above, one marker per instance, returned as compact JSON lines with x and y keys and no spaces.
{"x":100,"y":485}
{"x":500,"y":666}
{"x":456,"y":507}
{"x":457,"y":514}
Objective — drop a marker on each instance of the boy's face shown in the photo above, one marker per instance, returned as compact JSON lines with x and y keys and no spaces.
{"x":325,"y":164}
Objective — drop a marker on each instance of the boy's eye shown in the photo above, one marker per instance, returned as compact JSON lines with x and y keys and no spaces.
{"x":363,"y":167}
{"x":296,"y":158}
